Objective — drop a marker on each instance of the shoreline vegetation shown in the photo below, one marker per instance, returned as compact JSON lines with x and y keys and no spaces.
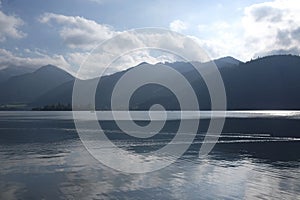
{"x":54,"y":107}
{"x":62,"y":107}
{"x":49,"y":107}
{"x":24,"y":107}
{"x":13,"y":107}
{"x":274,"y":126}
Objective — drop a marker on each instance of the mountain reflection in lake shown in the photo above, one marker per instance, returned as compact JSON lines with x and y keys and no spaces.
{"x":42,"y":158}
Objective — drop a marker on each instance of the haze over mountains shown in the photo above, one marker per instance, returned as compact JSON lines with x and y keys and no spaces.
{"x":25,"y":88}
{"x":266,"y":83}
{"x":11,"y":71}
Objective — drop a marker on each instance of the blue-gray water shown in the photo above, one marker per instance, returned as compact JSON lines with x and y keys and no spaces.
{"x":41,"y":157}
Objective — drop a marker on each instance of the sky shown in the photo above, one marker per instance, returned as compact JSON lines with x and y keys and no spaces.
{"x":63,"y":32}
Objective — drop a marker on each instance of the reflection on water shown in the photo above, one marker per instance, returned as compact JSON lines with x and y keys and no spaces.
{"x":44,"y":159}
{"x":158,"y":115}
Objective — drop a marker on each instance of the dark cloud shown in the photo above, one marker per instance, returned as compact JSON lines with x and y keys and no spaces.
{"x":283,"y":37}
{"x":267,"y":13}
{"x":296,"y":34}
{"x":286,"y":37}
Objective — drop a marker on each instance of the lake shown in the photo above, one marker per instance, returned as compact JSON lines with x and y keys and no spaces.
{"x":257,"y":157}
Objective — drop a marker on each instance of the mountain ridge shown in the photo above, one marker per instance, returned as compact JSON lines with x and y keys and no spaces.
{"x":25,"y":88}
{"x":270,"y":82}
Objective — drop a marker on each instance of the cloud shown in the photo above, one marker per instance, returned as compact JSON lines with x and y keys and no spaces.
{"x":36,"y":59}
{"x":265,"y":12}
{"x":295,"y":34}
{"x":10,"y":27}
{"x":94,"y":68}
{"x":178,"y":26}
{"x":78,"y":32}
{"x":273,"y":26}
{"x":133,"y":47}
{"x":82,"y":35}
{"x":222,"y":38}
{"x":264,"y":28}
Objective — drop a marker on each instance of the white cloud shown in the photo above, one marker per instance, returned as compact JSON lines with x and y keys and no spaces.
{"x":10,"y":27}
{"x":79,"y":32}
{"x":223,"y":39}
{"x":82,"y":35}
{"x":35,"y":60}
{"x":178,"y":26}
{"x":96,"y":64}
{"x":131,"y":48}
{"x":272,"y":26}
{"x":265,"y":28}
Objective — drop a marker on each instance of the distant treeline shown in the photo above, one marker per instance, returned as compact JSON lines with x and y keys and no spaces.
{"x":54,"y":107}
{"x":12,"y":107}
{"x":63,"y":107}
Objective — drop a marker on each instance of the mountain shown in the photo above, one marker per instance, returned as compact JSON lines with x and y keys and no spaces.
{"x":11,"y":71}
{"x":263,"y":84}
{"x":27,"y":87}
{"x":63,"y":93}
{"x":227,"y":62}
{"x":266,"y":83}
{"x":143,"y":100}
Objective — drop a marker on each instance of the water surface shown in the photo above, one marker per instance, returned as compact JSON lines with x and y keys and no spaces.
{"x":42,"y":157}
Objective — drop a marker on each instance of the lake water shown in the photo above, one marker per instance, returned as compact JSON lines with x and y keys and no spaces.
{"x":42,"y":157}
